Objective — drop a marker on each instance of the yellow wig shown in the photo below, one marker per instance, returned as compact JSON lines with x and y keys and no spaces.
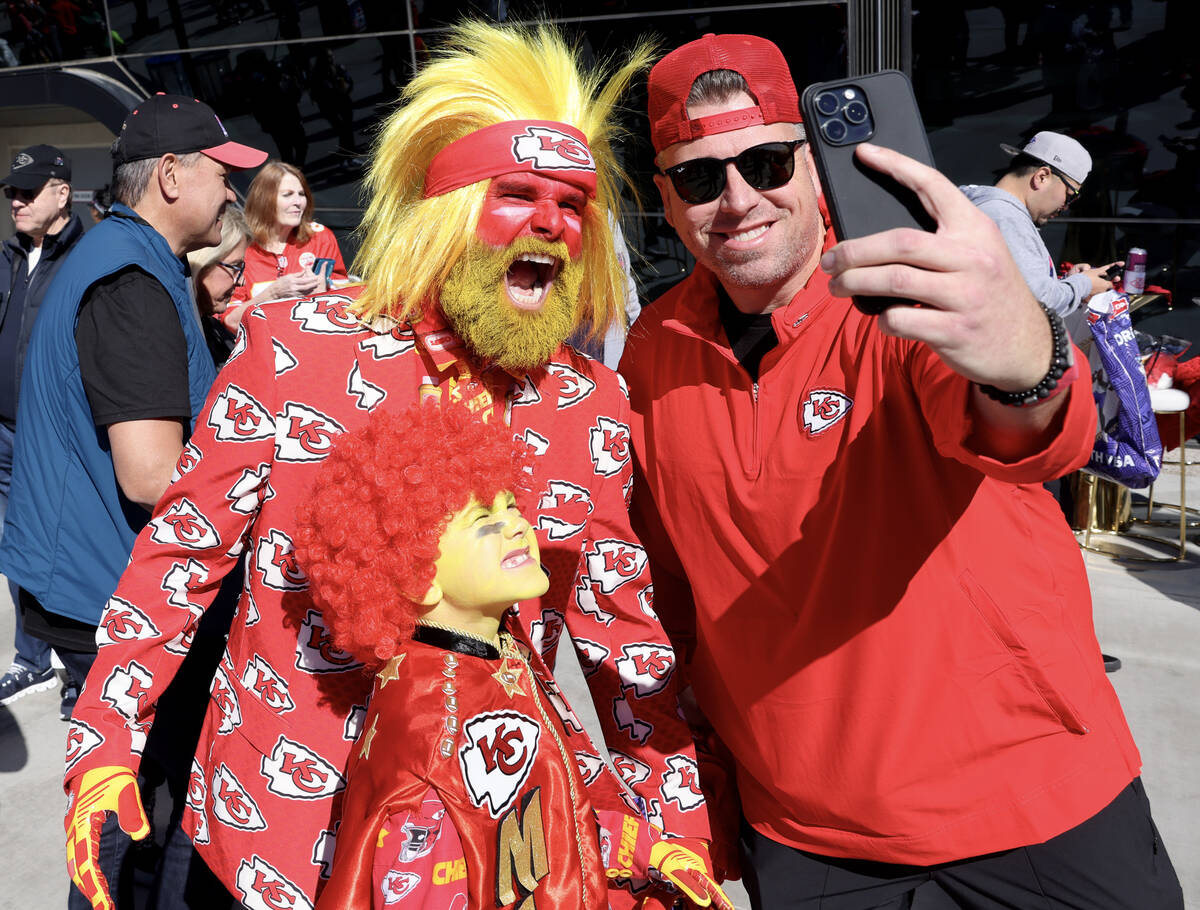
{"x":481,"y":75}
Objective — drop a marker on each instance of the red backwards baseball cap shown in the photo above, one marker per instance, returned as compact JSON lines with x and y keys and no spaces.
{"x":180,"y":125}
{"x":757,"y":60}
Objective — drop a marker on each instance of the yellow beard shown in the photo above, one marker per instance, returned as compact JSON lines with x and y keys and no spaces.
{"x":476,"y":304}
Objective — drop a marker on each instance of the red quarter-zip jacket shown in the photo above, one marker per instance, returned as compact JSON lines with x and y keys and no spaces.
{"x":892,"y":633}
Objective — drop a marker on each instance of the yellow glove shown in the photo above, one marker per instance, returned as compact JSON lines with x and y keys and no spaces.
{"x":98,"y":792}
{"x":683,"y":861}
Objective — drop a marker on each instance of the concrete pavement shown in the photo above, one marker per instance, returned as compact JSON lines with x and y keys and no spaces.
{"x":1147,"y":615}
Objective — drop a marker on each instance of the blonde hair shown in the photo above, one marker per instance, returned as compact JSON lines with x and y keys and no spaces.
{"x":262,"y":203}
{"x":485,"y":74}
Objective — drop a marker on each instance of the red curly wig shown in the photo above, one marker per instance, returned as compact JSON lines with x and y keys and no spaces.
{"x":367,"y":536}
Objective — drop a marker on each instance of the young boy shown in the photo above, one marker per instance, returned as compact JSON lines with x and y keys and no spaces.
{"x":473,"y":784}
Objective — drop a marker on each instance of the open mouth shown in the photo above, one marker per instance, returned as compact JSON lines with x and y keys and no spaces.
{"x":529,"y":279}
{"x":516,"y":559}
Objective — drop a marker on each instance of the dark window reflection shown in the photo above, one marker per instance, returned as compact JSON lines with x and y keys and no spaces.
{"x":47,"y":31}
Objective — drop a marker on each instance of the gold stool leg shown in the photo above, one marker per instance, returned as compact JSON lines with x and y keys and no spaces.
{"x":1090,"y":480}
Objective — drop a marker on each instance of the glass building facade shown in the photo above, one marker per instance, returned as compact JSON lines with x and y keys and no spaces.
{"x":309,"y":80}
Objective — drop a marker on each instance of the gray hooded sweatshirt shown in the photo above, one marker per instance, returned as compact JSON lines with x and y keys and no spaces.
{"x":1062,"y":295}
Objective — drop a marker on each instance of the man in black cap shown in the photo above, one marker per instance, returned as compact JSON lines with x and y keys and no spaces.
{"x":38,"y":190}
{"x":117,"y":370}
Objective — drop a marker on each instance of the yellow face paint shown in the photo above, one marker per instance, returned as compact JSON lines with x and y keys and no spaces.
{"x":489,"y":558}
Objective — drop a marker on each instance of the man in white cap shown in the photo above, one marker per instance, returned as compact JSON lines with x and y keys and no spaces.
{"x":1043,"y":179}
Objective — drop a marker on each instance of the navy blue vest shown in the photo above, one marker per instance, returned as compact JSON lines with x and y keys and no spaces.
{"x":69,"y":530}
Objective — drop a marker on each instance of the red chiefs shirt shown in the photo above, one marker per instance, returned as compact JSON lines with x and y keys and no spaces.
{"x":437,"y":821}
{"x":262,"y":267}
{"x":891,"y":633}
{"x":286,"y":704}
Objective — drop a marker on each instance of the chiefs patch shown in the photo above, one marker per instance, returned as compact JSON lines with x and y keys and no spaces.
{"x":326,"y":315}
{"x":390,"y":344}
{"x":236,"y":416}
{"x":822,"y":409}
{"x":589,"y":766}
{"x":285,"y":360}
{"x":232,"y":805}
{"x":631,"y":770}
{"x":397,"y":885}
{"x":271,"y":688}
{"x":681,"y":784}
{"x":645,"y":668}
{"x":304,"y":434}
{"x":275,"y":560}
{"x":637,"y":730}
{"x":497,"y":757}
{"x":526,"y":393}
{"x":295,"y":771}
{"x":564,"y":509}
{"x":608,"y":443}
{"x":122,"y":621}
{"x":127,"y":689}
{"x":315,"y":650}
{"x":591,"y":655}
{"x":551,"y":150}
{"x":585,"y":600}
{"x":251,"y":490}
{"x":368,"y":394}
{"x":184,"y":525}
{"x":612,"y":563}
{"x":179,"y":581}
{"x":196,"y":791}
{"x":574,"y":387}
{"x":226,"y":699}
{"x":536,"y":441}
{"x":81,"y":739}
{"x":260,"y":886}
{"x":188,"y":459}
{"x":545,"y":632}
{"x":323,"y":849}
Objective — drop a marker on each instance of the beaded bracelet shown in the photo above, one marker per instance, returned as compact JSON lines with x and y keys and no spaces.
{"x":1061,"y":364}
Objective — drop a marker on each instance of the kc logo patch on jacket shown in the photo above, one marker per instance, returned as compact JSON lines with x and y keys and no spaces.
{"x":497,"y":757}
{"x":822,"y":408}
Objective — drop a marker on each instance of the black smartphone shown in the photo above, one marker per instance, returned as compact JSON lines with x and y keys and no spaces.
{"x":878,"y":108}
{"x":1113,"y":272}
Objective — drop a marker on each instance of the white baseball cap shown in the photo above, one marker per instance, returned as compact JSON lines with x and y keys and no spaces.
{"x":1060,"y":152}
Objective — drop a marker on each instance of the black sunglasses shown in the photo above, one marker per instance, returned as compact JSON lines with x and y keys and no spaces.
{"x":1072,"y":193}
{"x":237,"y":271}
{"x":763,"y":167}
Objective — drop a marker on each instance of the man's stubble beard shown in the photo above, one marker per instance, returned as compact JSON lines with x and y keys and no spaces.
{"x":476,"y":305}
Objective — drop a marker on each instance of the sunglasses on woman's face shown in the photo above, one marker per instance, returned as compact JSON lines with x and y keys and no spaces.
{"x":764,"y":167}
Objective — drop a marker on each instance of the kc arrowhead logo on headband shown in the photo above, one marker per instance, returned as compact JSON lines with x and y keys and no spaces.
{"x":551,"y":149}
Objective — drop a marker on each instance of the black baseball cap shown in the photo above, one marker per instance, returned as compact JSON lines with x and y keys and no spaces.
{"x":32,"y":167}
{"x":181,"y":125}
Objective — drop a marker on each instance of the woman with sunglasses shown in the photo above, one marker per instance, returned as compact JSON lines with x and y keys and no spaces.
{"x":217,"y":271}
{"x":284,"y":258}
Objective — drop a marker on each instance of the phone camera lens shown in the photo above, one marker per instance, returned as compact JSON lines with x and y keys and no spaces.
{"x":856,"y":112}
{"x":827,"y":103}
{"x":835,"y":130}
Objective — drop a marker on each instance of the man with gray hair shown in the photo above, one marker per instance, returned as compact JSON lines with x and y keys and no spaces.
{"x":38,"y":189}
{"x":117,"y":370}
{"x":1040,"y":182}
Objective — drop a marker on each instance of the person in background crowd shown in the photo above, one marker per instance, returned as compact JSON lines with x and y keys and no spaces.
{"x":1041,"y":181}
{"x":287,"y":242}
{"x":216,"y":272}
{"x":116,"y":373}
{"x":486,"y":243}
{"x":100,"y":204}
{"x":880,"y":610}
{"x":38,"y":189}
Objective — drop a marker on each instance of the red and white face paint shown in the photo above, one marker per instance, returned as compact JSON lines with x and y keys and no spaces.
{"x":530,"y":205}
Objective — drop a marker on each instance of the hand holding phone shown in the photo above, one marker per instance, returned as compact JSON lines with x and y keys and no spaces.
{"x":839,"y":116}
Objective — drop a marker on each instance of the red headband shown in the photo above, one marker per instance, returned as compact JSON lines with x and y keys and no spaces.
{"x":545,"y":147}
